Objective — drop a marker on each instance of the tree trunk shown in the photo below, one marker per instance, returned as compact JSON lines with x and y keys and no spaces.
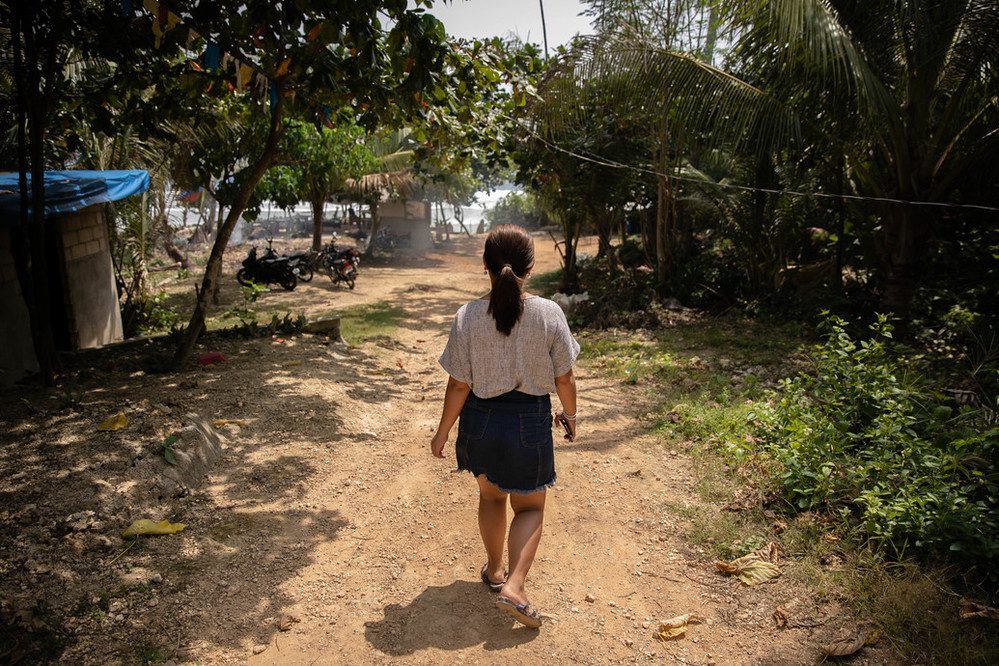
{"x":32,"y":110}
{"x":840,"y":221}
{"x":570,"y":274}
{"x":213,"y":269}
{"x":317,"y":222}
{"x":648,"y":231}
{"x":711,"y":40}
{"x":173,"y":251}
{"x":663,"y":205}
{"x":902,"y":246}
{"x":369,"y":251}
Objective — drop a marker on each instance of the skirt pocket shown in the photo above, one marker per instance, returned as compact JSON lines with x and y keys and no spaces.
{"x":535,"y":430}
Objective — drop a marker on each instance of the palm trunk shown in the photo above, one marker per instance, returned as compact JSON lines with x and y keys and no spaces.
{"x":213,"y":269}
{"x":663,"y":208}
{"x":902,"y":248}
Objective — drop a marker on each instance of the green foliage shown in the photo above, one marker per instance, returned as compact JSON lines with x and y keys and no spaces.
{"x":251,"y":328}
{"x":153,"y":314}
{"x":166,"y":449}
{"x":517,"y":208}
{"x":252,"y":292}
{"x":313,"y":163}
{"x":864,"y":438}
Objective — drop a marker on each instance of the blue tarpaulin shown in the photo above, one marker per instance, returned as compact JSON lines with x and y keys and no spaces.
{"x":70,"y":191}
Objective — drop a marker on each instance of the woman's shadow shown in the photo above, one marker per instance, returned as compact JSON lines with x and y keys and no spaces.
{"x":453,"y":617}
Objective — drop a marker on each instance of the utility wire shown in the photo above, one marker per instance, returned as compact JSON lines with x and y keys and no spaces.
{"x":745,"y":188}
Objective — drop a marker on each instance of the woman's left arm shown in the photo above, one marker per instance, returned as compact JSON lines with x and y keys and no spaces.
{"x":454,"y":399}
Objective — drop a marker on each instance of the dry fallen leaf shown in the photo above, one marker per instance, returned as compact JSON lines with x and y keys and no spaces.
{"x":146,"y":526}
{"x":780,"y":617}
{"x":116,"y":422}
{"x":675,"y":627}
{"x":769,"y":552}
{"x":971,"y":610}
{"x":749,"y":569}
{"x":844,"y":647}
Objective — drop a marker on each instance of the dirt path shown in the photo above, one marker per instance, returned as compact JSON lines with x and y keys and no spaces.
{"x":330,"y":514}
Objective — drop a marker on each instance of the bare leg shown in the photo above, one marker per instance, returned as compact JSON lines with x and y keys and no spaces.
{"x":492,"y":526}
{"x":525,"y":535}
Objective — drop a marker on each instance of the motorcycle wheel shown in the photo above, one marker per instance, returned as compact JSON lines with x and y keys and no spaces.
{"x":244,"y":278}
{"x":288,"y":282}
{"x":304,"y":273}
{"x":350,"y":282}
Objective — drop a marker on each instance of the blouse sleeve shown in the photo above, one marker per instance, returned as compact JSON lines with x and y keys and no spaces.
{"x":457,"y":356}
{"x":564,"y":349}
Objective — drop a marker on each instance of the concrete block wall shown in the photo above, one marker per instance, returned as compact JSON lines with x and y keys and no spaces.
{"x":17,"y":352}
{"x":91,"y":294}
{"x":412,"y":218}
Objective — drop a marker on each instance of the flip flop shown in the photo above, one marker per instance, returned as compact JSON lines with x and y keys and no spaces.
{"x":524,"y":613}
{"x":495,"y":587}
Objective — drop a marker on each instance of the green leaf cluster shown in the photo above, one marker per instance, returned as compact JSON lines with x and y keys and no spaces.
{"x":862,"y":438}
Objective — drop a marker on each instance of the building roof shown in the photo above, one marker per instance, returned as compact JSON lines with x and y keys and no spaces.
{"x":70,"y":191}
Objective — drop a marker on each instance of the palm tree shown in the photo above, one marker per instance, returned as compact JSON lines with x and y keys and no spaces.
{"x":391,"y":176}
{"x":917,"y":79}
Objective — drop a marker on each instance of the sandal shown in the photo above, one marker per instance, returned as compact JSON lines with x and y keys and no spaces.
{"x":495,"y":587}
{"x":524,"y":613}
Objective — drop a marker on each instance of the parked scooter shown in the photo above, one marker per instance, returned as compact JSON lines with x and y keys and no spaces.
{"x":340,"y":265}
{"x":271,"y":269}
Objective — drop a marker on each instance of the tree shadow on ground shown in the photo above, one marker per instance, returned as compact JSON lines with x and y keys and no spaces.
{"x":450,"y":617}
{"x":221,"y":584}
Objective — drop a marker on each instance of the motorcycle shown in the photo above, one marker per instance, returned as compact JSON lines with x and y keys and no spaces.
{"x":300,"y":262}
{"x":340,"y":265}
{"x":271,"y":269}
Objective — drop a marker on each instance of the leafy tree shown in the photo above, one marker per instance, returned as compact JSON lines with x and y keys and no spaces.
{"x":318,"y":161}
{"x":316,"y":56}
{"x":517,"y":208}
{"x":917,"y":77}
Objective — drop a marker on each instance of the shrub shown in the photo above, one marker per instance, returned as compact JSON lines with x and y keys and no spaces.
{"x":150,"y":314}
{"x":865,"y":440}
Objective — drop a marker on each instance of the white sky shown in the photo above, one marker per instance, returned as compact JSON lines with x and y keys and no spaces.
{"x":491,"y":18}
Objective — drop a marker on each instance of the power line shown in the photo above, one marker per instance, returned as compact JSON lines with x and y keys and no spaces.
{"x":746,"y":188}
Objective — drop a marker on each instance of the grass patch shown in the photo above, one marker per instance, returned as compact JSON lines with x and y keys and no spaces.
{"x":545,"y":284}
{"x":361,"y":323}
{"x":702,"y":379}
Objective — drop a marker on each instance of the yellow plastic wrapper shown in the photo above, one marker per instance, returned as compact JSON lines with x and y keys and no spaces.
{"x":146,"y":526}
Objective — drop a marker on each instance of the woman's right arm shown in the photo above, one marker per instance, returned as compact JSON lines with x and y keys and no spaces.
{"x":565,"y":387}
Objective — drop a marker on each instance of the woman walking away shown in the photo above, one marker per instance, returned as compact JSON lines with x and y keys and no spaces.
{"x":507,"y":352}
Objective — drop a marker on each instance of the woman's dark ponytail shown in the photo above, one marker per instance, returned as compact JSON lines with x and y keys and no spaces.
{"x":509,"y":256}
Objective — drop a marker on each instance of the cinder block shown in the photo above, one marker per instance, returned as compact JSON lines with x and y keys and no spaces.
{"x":69,"y":238}
{"x":93,"y":247}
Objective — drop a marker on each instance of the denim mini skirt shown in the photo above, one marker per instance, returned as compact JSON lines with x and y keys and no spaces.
{"x":509,"y":439}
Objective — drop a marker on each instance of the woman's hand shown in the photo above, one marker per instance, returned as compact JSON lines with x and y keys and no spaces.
{"x":437,"y":444}
{"x":571,"y":435}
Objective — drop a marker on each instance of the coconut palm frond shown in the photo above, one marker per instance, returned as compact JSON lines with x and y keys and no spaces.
{"x":695,"y":96}
{"x":810,"y":33}
{"x":396,"y":161}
